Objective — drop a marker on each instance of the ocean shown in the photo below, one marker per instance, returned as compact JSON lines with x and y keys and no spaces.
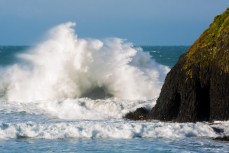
{"x":68,"y":94}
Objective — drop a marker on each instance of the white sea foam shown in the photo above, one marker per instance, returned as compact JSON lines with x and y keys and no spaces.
{"x":78,"y":109}
{"x":87,"y":109}
{"x":86,"y":118}
{"x":64,"y":66}
{"x":105,"y":129}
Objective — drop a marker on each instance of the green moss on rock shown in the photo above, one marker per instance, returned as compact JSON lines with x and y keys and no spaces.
{"x":197,"y":87}
{"x":204,"y":50}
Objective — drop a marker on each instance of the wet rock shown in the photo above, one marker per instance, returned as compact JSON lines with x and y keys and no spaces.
{"x":139,"y":114}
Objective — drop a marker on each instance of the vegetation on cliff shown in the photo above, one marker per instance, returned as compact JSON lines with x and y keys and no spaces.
{"x":212,"y":41}
{"x":197,"y":87}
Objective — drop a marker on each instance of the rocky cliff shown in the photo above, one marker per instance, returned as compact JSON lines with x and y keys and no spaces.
{"x":197,"y":87}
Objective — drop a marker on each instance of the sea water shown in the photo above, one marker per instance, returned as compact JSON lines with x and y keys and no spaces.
{"x":69,"y":94}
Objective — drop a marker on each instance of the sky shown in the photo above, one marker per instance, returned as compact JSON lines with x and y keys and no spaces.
{"x":142,"y":22}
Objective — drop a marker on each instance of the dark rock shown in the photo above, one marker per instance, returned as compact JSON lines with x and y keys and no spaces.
{"x":223,"y":138}
{"x":218,"y":130}
{"x":139,"y":114}
{"x":197,"y":87}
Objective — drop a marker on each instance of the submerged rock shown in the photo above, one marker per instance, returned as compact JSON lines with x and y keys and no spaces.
{"x":223,"y":138}
{"x":139,"y":114}
{"x":197,"y":87}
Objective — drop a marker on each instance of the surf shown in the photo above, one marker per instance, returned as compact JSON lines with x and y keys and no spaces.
{"x":64,"y":66}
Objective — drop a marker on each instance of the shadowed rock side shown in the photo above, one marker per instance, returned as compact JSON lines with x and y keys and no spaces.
{"x":197,"y":87}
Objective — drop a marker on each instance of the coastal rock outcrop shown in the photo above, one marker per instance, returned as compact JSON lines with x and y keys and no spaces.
{"x":197,"y":87}
{"x":139,"y":114}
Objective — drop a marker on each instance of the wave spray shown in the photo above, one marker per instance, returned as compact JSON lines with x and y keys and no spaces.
{"x":64,"y":66}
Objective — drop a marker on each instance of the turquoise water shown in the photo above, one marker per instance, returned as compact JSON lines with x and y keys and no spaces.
{"x":9,"y":54}
{"x":166,"y":55}
{"x":86,"y":125}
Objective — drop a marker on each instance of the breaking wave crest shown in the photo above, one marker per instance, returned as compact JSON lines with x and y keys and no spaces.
{"x":65,"y":66}
{"x":106,"y":129}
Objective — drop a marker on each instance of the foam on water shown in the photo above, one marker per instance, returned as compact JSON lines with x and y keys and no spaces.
{"x":86,"y":118}
{"x":106,"y":129}
{"x":87,"y":109}
{"x":78,"y":109}
{"x":64,"y":66}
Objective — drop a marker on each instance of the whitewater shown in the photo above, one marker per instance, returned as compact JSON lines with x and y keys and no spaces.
{"x":68,"y":87}
{"x":64,"y":66}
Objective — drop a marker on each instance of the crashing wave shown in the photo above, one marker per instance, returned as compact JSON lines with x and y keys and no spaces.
{"x":65,"y":66}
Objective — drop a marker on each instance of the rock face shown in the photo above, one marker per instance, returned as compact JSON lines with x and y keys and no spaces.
{"x":197,"y":87}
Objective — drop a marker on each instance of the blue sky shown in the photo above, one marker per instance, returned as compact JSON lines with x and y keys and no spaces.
{"x":143,"y":22}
